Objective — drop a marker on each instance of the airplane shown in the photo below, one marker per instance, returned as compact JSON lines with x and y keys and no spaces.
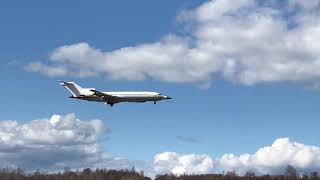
{"x":111,"y":98}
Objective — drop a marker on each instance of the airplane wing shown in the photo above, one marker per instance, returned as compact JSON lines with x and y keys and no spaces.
{"x":106,"y":97}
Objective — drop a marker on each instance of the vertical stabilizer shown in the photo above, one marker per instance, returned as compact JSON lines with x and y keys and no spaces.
{"x":74,"y":89}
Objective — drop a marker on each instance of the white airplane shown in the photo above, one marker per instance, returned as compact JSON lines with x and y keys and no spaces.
{"x":111,"y":98}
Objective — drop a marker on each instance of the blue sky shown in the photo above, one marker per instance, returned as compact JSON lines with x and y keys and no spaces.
{"x":230,"y":116}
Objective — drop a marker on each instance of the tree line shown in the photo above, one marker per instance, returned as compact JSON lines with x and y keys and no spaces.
{"x":289,"y":174}
{"x":105,"y":174}
{"x":67,"y":174}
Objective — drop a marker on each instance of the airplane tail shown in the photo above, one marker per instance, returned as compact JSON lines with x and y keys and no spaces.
{"x":74,"y":89}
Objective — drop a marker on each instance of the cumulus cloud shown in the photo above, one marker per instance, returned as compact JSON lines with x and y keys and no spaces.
{"x":64,"y":140}
{"x":247,"y":42}
{"x":54,"y":143}
{"x":267,"y":160}
{"x":171,"y":162}
{"x":52,"y":71}
{"x":274,"y":159}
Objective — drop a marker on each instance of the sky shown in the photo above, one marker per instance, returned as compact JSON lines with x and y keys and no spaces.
{"x":243,"y":77}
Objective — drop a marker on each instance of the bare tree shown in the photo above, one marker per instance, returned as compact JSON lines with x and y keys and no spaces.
{"x":291,"y":172}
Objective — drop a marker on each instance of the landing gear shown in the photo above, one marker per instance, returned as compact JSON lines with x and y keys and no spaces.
{"x":109,"y":103}
{"x":155,"y":102}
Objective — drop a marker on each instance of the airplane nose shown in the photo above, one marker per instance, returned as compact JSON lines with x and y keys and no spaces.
{"x":167,"y":97}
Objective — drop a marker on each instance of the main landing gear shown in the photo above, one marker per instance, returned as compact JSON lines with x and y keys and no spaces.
{"x":155,"y":102}
{"x":109,"y":103}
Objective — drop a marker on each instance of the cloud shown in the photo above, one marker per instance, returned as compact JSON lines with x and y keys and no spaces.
{"x":246,"y":42}
{"x":54,"y":143}
{"x":52,"y":71}
{"x":267,"y":160}
{"x":171,"y":162}
{"x":64,"y":140}
{"x":13,"y":63}
{"x":274,"y":159}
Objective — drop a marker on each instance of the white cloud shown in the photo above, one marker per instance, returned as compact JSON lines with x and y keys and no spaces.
{"x":274,"y":159}
{"x":59,"y":141}
{"x":171,"y":162}
{"x":246,"y":42}
{"x":267,"y":160}
{"x":52,"y":71}
{"x":54,"y":143}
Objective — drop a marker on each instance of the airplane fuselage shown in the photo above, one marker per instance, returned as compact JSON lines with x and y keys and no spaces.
{"x":91,"y":94}
{"x":132,"y":96}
